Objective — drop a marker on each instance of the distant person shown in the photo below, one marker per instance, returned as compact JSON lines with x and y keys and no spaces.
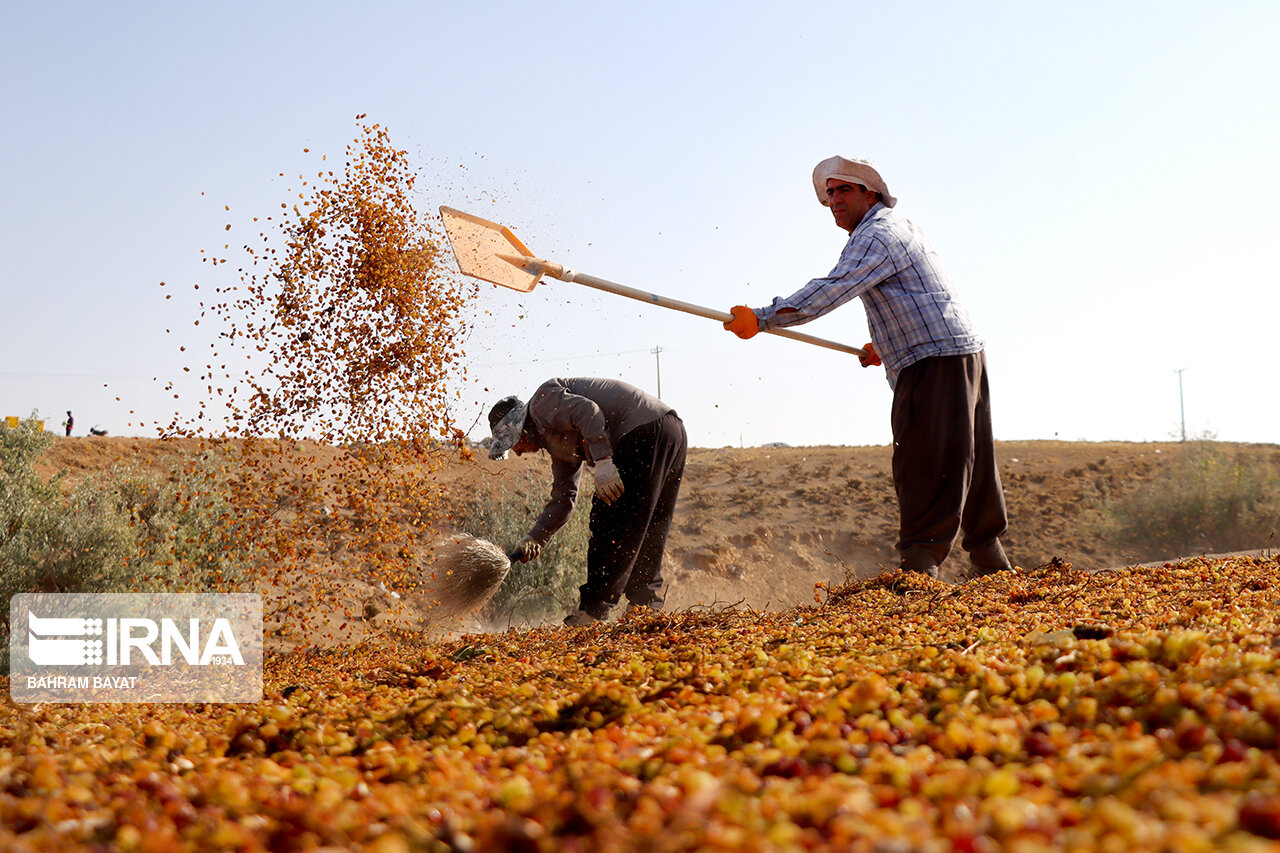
{"x":944,"y":465}
{"x":636,"y":445}
{"x":69,"y":423}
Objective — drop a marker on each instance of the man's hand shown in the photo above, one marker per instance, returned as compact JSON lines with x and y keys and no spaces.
{"x":608,"y":481}
{"x":526,"y":549}
{"x":744,"y":323}
{"x":872,"y":358}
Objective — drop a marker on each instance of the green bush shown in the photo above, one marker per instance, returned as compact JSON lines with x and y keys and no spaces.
{"x":47,"y":542}
{"x":178,"y":520}
{"x":1207,"y":499}
{"x":547,"y":588}
{"x":131,"y":531}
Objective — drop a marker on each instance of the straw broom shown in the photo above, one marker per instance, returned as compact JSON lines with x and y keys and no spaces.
{"x":465,"y":573}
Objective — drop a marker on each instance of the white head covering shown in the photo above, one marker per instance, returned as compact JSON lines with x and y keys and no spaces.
{"x":861,"y":172}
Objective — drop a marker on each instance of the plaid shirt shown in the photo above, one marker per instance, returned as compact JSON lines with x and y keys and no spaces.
{"x":911,"y":311}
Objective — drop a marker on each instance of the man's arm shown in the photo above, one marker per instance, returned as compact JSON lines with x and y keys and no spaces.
{"x":565,"y":477}
{"x":863,"y":264}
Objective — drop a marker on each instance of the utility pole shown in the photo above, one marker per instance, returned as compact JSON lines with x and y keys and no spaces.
{"x":658,"y":361}
{"x":1181,"y":406}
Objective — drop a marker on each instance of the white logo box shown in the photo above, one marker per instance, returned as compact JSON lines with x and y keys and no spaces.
{"x":135,"y":647}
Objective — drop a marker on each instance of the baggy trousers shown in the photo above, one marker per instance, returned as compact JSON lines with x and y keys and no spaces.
{"x":628,"y":536}
{"x":944,"y":465}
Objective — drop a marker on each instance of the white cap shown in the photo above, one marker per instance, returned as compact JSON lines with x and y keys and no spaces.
{"x":861,"y":172}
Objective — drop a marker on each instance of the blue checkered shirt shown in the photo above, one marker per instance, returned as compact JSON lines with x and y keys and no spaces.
{"x":911,"y":310}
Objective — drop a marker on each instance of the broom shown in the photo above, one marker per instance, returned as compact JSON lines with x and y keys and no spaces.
{"x":467,"y":572}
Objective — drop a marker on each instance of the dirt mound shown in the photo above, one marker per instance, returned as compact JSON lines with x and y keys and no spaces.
{"x":81,"y":458}
{"x":768,"y":523}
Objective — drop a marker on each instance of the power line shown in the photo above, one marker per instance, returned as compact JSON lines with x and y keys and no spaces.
{"x":79,"y":375}
{"x":536,"y":359}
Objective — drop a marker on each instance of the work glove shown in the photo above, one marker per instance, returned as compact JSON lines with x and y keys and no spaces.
{"x":526,"y":549}
{"x":872,"y":358}
{"x":608,"y":481}
{"x":744,"y":324}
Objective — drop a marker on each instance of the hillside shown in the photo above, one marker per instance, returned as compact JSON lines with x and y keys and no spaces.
{"x":759,"y":527}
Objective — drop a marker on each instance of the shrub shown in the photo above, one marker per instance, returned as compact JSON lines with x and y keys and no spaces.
{"x":178,"y":519}
{"x":132,"y":531}
{"x":1206,"y":499}
{"x":47,"y":542}
{"x":542,"y":590}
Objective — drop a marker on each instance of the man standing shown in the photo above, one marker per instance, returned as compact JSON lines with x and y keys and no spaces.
{"x":69,"y":423}
{"x":944,"y":466}
{"x":636,"y":445}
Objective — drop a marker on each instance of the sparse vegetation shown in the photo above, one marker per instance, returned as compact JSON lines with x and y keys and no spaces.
{"x":48,"y":542}
{"x":1206,"y":499}
{"x":547,"y":588}
{"x":131,"y":530}
{"x":174,"y":517}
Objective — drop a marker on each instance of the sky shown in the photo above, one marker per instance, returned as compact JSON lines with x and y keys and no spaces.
{"x":1099,"y":178}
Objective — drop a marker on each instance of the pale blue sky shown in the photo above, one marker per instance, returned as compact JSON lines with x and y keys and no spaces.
{"x":1100,"y":177}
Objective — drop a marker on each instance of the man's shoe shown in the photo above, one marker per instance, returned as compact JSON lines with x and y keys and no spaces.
{"x":652,"y":607}
{"x":579,"y":618}
{"x":930,"y":570}
{"x":918,"y":560}
{"x":988,"y":560}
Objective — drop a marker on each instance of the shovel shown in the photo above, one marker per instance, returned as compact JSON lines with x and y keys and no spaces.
{"x":489,"y":251}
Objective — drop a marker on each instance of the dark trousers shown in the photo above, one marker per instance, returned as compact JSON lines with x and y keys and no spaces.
{"x":944,"y":465}
{"x":628,"y":536}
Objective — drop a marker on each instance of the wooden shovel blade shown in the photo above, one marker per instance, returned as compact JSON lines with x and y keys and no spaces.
{"x":478,"y":245}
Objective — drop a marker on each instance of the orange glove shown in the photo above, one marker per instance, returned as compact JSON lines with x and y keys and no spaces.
{"x":872,"y":358}
{"x":744,"y":323}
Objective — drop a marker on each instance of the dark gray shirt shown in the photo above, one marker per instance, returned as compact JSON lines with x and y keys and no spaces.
{"x":581,"y":421}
